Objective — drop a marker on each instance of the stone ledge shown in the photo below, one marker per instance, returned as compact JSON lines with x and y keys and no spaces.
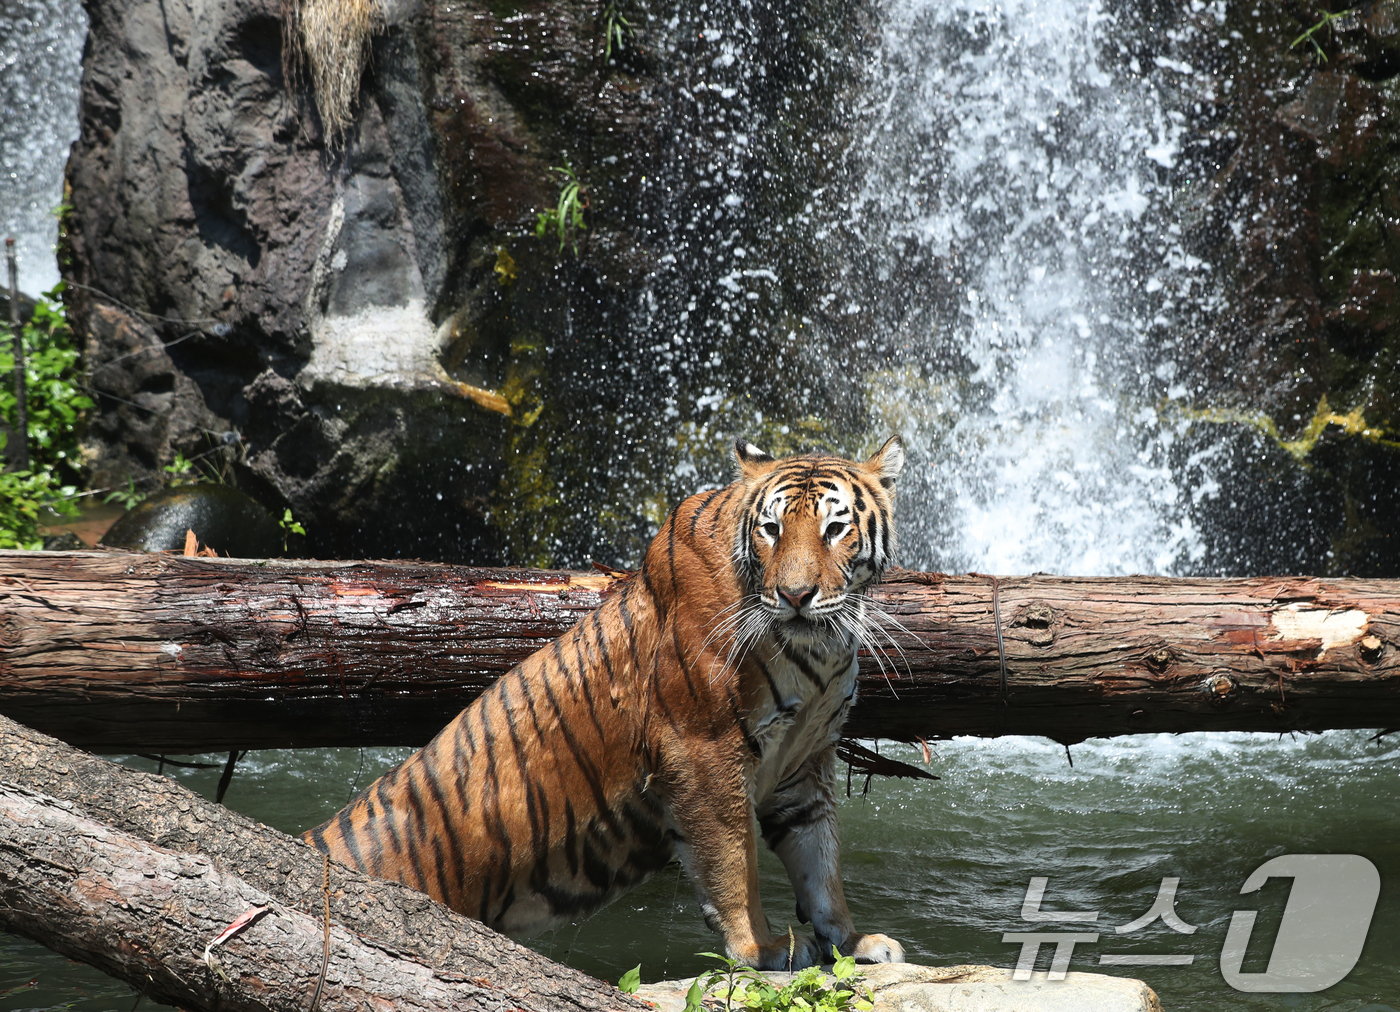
{"x":908,"y":987}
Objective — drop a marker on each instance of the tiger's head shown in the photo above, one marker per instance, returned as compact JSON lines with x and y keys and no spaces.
{"x":815,"y":532}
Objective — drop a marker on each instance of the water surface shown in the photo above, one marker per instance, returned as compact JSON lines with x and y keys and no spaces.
{"x":944,"y":865}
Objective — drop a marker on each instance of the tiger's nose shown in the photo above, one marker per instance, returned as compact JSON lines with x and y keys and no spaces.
{"x":798,"y":596}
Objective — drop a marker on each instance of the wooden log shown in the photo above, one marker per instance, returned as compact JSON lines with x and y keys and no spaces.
{"x":136,"y":875}
{"x":169,"y":654}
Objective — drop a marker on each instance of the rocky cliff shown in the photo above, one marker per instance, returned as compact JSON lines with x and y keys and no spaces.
{"x":372,"y":325}
{"x":370,"y":328}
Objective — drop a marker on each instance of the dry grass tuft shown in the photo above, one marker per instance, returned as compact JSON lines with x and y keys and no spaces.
{"x":331,"y":38}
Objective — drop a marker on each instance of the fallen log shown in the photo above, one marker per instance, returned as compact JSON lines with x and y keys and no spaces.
{"x":115,"y":651}
{"x":136,"y":875}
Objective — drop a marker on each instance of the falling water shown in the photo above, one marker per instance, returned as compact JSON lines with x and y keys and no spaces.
{"x":1019,"y":153}
{"x":1015,"y":197}
{"x":41,"y":42}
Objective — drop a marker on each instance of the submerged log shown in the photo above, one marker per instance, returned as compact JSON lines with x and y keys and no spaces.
{"x":137,"y":875}
{"x":168,"y":654}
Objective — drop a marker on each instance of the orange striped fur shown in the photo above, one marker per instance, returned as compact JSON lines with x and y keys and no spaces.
{"x":696,"y":711}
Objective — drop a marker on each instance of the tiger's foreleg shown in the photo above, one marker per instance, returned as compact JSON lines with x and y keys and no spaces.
{"x":799,"y":824}
{"x":718,"y":846}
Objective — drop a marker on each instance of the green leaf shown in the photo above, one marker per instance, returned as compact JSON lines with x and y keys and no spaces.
{"x":629,"y":981}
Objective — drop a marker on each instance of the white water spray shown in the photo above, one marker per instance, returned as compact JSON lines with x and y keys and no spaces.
{"x":41,"y":43}
{"x":1021,"y":149}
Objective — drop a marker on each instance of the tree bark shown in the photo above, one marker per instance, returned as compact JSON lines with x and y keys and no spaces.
{"x":136,"y":875}
{"x":171,"y":654}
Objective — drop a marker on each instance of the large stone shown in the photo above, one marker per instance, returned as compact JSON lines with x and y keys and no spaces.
{"x":908,"y":987}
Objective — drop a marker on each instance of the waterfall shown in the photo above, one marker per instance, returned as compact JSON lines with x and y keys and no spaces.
{"x":1018,"y":159}
{"x":41,"y":44}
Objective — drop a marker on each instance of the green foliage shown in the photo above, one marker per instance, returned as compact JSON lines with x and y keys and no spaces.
{"x":810,"y":990}
{"x":181,"y":471}
{"x":127,"y":497}
{"x":1326,"y":22}
{"x":565,"y":219}
{"x":615,"y":28}
{"x":53,"y":398}
{"x":290,"y":526}
{"x":23,"y":494}
{"x":56,"y":405}
{"x":631,"y":980}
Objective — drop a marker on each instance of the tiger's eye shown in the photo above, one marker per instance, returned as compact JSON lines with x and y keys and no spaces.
{"x":835,"y":530}
{"x":771,"y":529}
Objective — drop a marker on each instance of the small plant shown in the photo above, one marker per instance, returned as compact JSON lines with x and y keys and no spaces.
{"x":128,"y":497}
{"x":181,"y":470}
{"x":810,"y":990}
{"x":615,"y":28}
{"x":566,"y":218}
{"x":290,"y":526}
{"x":1327,"y":21}
{"x":631,"y":980}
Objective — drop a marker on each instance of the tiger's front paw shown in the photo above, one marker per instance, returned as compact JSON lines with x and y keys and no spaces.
{"x":783,"y":953}
{"x":873,"y":949}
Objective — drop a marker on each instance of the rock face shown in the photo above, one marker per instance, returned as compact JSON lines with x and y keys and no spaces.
{"x":238,"y":277}
{"x":1294,"y":185}
{"x":369,"y":330}
{"x":402,"y":360}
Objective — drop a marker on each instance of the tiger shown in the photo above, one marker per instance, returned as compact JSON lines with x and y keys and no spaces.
{"x":695,"y":711}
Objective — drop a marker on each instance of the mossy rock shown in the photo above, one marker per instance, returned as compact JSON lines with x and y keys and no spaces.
{"x":221,"y":517}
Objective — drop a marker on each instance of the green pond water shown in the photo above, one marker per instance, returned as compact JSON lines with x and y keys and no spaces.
{"x":944,"y":866}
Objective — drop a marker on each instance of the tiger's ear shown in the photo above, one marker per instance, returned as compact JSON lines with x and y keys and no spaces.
{"x":888,"y":461}
{"x":750,"y":459}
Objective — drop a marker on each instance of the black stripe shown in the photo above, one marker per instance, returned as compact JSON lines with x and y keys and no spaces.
{"x":595,"y":869}
{"x":461,"y":770}
{"x":590,"y":771}
{"x":415,"y":802}
{"x":719,"y":508}
{"x":373,"y":837}
{"x":626,"y":614}
{"x":346,"y":828}
{"x":542,"y":802}
{"x":602,"y":646}
{"x":390,"y":817}
{"x":749,"y":740}
{"x":583,"y":670}
{"x":772,"y":685}
{"x":522,"y":761}
{"x":492,"y":819}
{"x":681,"y":654}
{"x":645,"y":828}
{"x":802,"y":666}
{"x":695,"y":517}
{"x":449,"y":827}
{"x":440,"y":870}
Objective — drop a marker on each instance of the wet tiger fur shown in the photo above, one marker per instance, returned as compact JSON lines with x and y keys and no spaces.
{"x":696,"y":710}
